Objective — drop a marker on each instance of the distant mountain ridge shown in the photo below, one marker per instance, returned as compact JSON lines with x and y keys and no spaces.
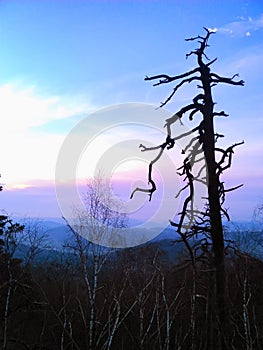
{"x":57,"y":230}
{"x":57,"y":233}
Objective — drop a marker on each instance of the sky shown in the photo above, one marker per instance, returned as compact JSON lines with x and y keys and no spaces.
{"x":62,"y":61}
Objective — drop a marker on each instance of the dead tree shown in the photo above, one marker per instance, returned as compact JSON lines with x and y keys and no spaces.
{"x":208,"y":222}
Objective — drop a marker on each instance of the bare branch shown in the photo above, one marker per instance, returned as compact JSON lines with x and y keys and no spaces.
{"x":187,"y":171}
{"x":224,"y":211}
{"x":195,"y":38}
{"x":189,"y":80}
{"x":180,"y":113}
{"x":164,"y":78}
{"x":150,"y":180}
{"x":186,"y":134}
{"x":185,"y":240}
{"x":144,"y":148}
{"x":228,"y":153}
{"x":219,"y":79}
{"x":211,"y":62}
{"x":220,"y":114}
{"x":233,"y":188}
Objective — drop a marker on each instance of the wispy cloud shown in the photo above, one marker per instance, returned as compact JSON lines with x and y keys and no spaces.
{"x":29,"y":153}
{"x":242,"y":27}
{"x":23,"y":107}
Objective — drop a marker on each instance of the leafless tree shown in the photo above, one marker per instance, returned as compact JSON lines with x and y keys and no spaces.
{"x":203,"y":144}
{"x":20,"y":245}
{"x":99,"y":219}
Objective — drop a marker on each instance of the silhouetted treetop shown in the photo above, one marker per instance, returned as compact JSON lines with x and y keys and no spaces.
{"x":203,"y":68}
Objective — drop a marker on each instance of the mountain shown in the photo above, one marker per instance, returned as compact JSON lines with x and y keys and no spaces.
{"x":247,"y":235}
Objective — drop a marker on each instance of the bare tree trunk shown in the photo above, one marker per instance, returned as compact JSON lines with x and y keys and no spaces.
{"x":214,"y":198}
{"x":7,"y":302}
{"x":168,"y":321}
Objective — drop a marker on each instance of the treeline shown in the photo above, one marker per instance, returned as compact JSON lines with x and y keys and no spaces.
{"x":89,"y":298}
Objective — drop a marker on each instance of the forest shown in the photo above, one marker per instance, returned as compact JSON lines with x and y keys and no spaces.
{"x":86,"y":297}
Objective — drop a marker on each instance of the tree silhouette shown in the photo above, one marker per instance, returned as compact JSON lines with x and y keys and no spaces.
{"x":207,"y":223}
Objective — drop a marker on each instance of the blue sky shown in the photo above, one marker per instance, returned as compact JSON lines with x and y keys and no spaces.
{"x":61,"y":60}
